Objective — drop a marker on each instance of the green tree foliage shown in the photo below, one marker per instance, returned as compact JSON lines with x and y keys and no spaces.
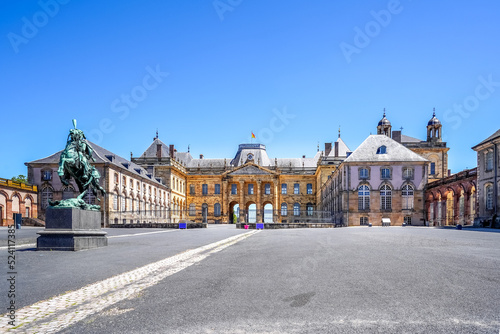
{"x":20,"y":179}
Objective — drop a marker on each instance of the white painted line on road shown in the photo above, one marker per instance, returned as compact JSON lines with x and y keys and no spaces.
{"x":110,"y":237}
{"x":136,"y":234}
{"x":19,"y":246}
{"x":59,"y":312}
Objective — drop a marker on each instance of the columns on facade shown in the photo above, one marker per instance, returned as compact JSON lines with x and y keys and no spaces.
{"x":241,"y":219}
{"x":225,"y":202}
{"x":258,"y":203}
{"x":276,"y":207}
{"x":456,"y":207}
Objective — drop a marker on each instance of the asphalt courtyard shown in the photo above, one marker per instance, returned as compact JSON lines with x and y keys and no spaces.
{"x":223,"y":280}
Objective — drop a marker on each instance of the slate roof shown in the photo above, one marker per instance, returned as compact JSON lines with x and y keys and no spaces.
{"x":367,"y":151}
{"x":493,"y":136}
{"x":408,"y":139}
{"x":102,"y":155}
{"x":152,"y":149}
{"x":343,"y":149}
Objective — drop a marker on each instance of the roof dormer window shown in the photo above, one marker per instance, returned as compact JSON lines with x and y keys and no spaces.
{"x":382,"y":150}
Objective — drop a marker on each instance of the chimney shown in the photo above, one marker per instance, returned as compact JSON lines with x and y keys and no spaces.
{"x":328,"y":148}
{"x":201,"y":156}
{"x":336,"y":149}
{"x":158,"y":151}
{"x":449,"y":172}
{"x":171,"y":151}
{"x":303,"y":157}
{"x":396,"y":135}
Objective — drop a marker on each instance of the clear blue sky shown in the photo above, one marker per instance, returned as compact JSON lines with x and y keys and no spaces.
{"x":224,"y":68}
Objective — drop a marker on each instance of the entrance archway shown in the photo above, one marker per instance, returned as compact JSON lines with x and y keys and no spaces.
{"x":234,"y":212}
{"x":268,"y":213}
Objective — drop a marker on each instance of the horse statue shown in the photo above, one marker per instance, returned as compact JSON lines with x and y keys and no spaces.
{"x":75,"y":162}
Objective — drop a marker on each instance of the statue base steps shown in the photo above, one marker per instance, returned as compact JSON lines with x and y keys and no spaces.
{"x":71,"y":229}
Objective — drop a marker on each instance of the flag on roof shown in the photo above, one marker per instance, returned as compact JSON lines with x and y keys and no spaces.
{"x":253,"y":136}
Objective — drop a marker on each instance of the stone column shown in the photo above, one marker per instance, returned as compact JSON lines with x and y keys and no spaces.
{"x":276,"y":207}
{"x":241,"y":219}
{"x":456,"y":208}
{"x":466,"y":206}
{"x":8,"y":212}
{"x":224,"y":202}
{"x":258,"y":216}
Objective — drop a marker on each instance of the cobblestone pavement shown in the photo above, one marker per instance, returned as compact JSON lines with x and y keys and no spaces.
{"x":59,"y":312}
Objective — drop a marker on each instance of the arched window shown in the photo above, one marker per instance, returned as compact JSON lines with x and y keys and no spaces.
{"x":386,"y":197}
{"x":192,"y":209}
{"x":15,"y":204}
{"x":89,"y":197}
{"x":363,"y":197}
{"x":284,"y":209}
{"x":67,"y":192}
{"x":217,"y":209}
{"x":407,"y":194}
{"x":489,"y":197}
{"x":296,"y":209}
{"x":47,"y":194}
{"x":309,"y":209}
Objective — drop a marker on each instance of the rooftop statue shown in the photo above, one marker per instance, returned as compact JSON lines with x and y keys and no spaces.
{"x":75,"y":162}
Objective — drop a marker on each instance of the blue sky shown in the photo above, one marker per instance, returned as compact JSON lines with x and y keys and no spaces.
{"x":207,"y":73}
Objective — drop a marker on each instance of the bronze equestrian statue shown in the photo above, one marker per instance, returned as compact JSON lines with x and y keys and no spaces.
{"x":75,"y":162}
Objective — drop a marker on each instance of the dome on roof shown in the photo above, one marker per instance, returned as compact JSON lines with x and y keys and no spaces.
{"x":384,"y":121}
{"x":434,"y":120}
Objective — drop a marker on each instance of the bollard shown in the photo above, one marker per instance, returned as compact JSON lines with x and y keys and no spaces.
{"x":18,"y":218}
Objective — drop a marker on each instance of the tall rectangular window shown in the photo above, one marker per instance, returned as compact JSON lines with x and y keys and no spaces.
{"x":363,"y":173}
{"x":234,"y":189}
{"x":191,"y":189}
{"x":267,"y":189}
{"x":385,"y":173}
{"x":309,"y":188}
{"x":217,"y":189}
{"x":283,"y":189}
{"x":433,"y":168}
{"x":250,"y":189}
{"x":296,"y":189}
{"x":363,"y":220}
{"x":408,"y":173}
{"x":489,"y":161}
{"x":204,"y":189}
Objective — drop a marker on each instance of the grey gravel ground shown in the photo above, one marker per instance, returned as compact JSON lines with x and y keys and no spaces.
{"x":347,"y":280}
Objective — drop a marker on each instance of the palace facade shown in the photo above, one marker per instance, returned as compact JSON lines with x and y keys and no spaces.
{"x":164,"y":185}
{"x":488,"y":180}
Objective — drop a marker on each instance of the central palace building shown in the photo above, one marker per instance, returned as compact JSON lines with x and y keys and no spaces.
{"x":252,"y":187}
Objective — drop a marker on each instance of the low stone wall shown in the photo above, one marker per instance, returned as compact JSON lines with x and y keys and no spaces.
{"x":272,"y":226}
{"x":158,"y":225}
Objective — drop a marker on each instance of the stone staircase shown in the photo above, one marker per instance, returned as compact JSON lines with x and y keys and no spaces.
{"x":33,"y":222}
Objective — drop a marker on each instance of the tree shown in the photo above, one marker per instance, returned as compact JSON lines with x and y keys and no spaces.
{"x":20,"y":179}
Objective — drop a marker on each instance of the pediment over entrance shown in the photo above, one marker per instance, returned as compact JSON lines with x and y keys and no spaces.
{"x":251,"y":169}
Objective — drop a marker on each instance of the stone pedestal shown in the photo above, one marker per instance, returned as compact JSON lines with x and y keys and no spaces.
{"x":70,"y":229}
